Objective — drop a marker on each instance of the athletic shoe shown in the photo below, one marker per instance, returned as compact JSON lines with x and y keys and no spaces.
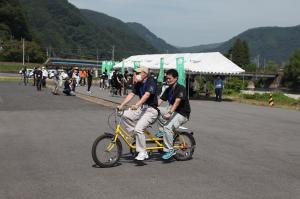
{"x":159,"y":134}
{"x":142,"y":156}
{"x":168,"y":155}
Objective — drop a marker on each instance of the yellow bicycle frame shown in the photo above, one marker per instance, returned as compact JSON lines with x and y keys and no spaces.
{"x":127,"y":138}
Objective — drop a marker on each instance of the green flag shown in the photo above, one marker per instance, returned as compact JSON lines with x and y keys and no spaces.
{"x":109,"y":66}
{"x":103,"y":67}
{"x":123,"y":68}
{"x":161,"y":71}
{"x":180,"y":70}
{"x":136,"y":64}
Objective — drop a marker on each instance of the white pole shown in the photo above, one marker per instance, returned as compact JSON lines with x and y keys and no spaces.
{"x":113,"y":53}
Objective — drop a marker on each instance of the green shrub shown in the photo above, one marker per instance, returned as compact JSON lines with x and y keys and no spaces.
{"x":278,"y":98}
{"x":235,"y":84}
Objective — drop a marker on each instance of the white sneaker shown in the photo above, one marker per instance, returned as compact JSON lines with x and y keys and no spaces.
{"x":142,"y":156}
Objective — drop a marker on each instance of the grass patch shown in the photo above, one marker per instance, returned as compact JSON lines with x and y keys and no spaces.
{"x":15,"y":67}
{"x":10,"y":79}
{"x":279,"y":99}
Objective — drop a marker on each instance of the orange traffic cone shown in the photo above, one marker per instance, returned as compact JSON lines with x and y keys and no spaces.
{"x":271,"y":102}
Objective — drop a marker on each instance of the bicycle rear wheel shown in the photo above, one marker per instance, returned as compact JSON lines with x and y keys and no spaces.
{"x":185,"y":144}
{"x":105,"y":152}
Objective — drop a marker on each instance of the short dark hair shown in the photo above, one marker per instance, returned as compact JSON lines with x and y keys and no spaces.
{"x":172,"y":72}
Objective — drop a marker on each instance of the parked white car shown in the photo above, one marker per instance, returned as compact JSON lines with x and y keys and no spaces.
{"x":29,"y":72}
{"x":51,"y":73}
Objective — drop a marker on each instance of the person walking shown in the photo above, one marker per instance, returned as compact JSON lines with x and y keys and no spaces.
{"x":25,"y":76}
{"x":45,"y":76}
{"x":103,"y":81}
{"x":74,"y":77}
{"x":89,"y":80}
{"x":219,"y":85}
{"x":33,"y":76}
{"x":125,"y":83}
{"x":39,"y":79}
{"x":56,"y":83}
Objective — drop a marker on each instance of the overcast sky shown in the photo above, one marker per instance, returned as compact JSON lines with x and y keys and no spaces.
{"x":194,"y":22}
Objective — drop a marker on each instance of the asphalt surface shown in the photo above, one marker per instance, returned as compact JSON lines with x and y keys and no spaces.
{"x":242,"y":152}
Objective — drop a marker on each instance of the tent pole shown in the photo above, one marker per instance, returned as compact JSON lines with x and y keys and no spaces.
{"x":243,"y":81}
{"x":188,"y":84}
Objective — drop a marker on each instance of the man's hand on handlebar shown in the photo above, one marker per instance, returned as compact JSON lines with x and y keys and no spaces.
{"x":167,"y":116}
{"x":134,"y":107}
{"x":120,"y":108}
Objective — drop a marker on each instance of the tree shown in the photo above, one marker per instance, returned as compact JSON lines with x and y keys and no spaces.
{"x":272,"y":66}
{"x":11,"y":50}
{"x":240,"y":53}
{"x":292,"y":71}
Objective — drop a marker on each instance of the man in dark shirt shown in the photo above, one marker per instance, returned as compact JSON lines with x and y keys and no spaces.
{"x":39,"y":79}
{"x":178,"y":112}
{"x":143,"y":112}
{"x":25,"y":76}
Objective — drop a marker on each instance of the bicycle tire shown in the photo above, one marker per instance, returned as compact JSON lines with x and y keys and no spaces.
{"x":186,"y":152}
{"x":110,"y":163}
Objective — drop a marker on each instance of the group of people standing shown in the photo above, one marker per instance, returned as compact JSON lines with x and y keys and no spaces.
{"x":76,"y":77}
{"x":39,"y":76}
{"x":116,"y":81}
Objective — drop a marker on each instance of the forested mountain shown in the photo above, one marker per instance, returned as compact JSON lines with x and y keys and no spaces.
{"x":116,"y":32}
{"x":12,"y":21}
{"x":270,"y":43}
{"x":200,"y":48}
{"x":155,"y":41}
{"x":70,"y":32}
{"x":66,"y":31}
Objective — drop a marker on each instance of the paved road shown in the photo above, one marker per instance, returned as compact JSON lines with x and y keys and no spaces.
{"x":242,"y":152}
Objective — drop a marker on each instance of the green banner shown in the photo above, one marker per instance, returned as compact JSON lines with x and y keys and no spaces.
{"x":109,"y":66}
{"x":123,"y":68}
{"x":161,"y":71}
{"x":103,"y":66}
{"x":180,"y":70}
{"x":136,"y":64}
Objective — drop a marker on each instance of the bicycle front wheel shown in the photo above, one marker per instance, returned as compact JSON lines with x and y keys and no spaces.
{"x":106,"y":152}
{"x":185,"y":144}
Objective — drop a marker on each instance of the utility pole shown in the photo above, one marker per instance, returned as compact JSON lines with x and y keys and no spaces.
{"x":97,"y":56}
{"x":113,"y":53}
{"x":257,"y":65}
{"x":264,"y":64}
{"x":47,"y":53}
{"x":23,"y":51}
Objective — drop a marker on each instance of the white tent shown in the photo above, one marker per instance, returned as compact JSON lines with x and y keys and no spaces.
{"x":204,"y":63}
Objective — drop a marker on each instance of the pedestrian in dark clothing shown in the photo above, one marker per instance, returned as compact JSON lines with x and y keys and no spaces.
{"x":89,"y":80}
{"x":25,"y":77}
{"x":125,"y":83}
{"x":219,"y":85}
{"x":33,"y":76}
{"x":39,"y":79}
{"x":67,"y":87}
